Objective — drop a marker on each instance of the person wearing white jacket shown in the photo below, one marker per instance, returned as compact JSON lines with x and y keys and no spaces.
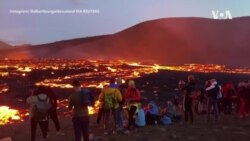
{"x":213,"y":94}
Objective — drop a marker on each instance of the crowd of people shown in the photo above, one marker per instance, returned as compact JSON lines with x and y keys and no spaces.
{"x":121,"y":109}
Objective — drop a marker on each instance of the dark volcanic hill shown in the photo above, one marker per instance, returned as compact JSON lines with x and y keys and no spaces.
{"x":4,"y":45}
{"x":165,"y":41}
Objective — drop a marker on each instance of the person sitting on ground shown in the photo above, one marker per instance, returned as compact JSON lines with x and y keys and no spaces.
{"x":152,"y":115}
{"x":140,"y":117}
{"x":170,"y":111}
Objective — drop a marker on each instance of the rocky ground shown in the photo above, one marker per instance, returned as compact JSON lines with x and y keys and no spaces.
{"x":229,"y":128}
{"x":158,"y":87}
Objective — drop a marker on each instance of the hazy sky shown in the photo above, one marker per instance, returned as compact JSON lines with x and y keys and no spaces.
{"x":114,"y":16}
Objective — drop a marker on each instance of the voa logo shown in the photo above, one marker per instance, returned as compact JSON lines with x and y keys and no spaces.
{"x":222,"y":14}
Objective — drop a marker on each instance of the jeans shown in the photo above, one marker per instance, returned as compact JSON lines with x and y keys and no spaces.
{"x":53,"y":115}
{"x":119,"y":118}
{"x":228,"y":106}
{"x":81,"y":128}
{"x":43,"y":125}
{"x":131,"y":118}
{"x":106,"y":114}
{"x":100,"y":115}
{"x":212,"y":103}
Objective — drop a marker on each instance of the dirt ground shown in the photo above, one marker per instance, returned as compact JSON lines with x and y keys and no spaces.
{"x":229,"y":128}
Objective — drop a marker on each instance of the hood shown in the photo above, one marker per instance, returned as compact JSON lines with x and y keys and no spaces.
{"x":42,"y":96}
{"x":153,"y":109}
{"x":215,"y":83}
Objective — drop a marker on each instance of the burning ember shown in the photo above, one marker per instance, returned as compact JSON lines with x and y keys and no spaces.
{"x":25,"y":69}
{"x":7,"y":115}
{"x":3,"y":88}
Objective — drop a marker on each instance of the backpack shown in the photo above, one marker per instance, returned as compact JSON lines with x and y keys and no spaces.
{"x":165,"y":120}
{"x":87,"y":98}
{"x":109,"y":100}
{"x":41,"y":109}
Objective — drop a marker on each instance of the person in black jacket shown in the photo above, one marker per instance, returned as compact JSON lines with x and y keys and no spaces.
{"x":53,"y":110}
{"x":212,"y":93}
{"x":188,"y":91}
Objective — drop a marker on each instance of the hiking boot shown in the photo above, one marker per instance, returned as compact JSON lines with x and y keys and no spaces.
{"x":114,"y":132}
{"x":58,"y":133}
{"x":126,"y":132}
{"x":105,"y":133}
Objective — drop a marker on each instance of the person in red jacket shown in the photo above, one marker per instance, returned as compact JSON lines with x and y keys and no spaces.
{"x":132,"y":98}
{"x":242,"y":94}
{"x":228,"y":92}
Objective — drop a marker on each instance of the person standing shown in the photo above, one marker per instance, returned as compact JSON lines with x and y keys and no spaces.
{"x":212,"y":93}
{"x":80,"y":116}
{"x":132,"y":98}
{"x":119,"y":115}
{"x":100,"y":116}
{"x":242,"y":94}
{"x":188,"y":91}
{"x":53,"y":110}
{"x":228,"y":92}
{"x":39,"y":107}
{"x":140,"y":117}
{"x":110,"y":97}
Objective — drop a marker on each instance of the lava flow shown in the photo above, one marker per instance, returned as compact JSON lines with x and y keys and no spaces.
{"x":7,"y":115}
{"x":18,"y":76}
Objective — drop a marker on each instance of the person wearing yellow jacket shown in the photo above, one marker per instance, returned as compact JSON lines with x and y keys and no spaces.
{"x":110,"y":97}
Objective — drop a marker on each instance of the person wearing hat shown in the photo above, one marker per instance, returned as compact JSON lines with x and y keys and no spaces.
{"x":80,"y":116}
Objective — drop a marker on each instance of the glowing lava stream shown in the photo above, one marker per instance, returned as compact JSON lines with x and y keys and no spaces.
{"x":7,"y":114}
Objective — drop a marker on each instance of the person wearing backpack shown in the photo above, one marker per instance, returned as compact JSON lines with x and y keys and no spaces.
{"x":80,"y":116}
{"x":110,"y":97}
{"x":39,"y":107}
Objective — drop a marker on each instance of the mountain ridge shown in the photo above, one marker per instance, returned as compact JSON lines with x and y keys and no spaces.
{"x":165,"y":41}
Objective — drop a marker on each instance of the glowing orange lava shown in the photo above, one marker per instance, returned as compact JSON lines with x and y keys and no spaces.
{"x":7,"y":114}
